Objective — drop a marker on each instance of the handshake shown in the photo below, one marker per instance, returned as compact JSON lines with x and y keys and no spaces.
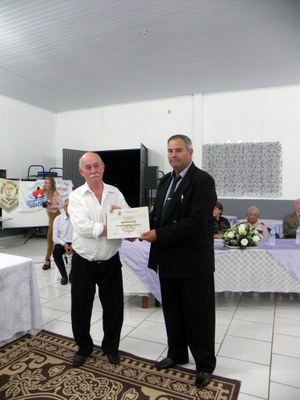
{"x":46,"y":204}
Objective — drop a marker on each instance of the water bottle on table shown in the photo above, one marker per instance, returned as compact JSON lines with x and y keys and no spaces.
{"x":298,"y":235}
{"x":272,"y":237}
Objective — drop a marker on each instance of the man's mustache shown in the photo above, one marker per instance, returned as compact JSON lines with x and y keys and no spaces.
{"x":94,"y":175}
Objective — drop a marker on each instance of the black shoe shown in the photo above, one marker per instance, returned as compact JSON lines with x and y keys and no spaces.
{"x":64,"y":280}
{"x":47,"y":265}
{"x":202,"y":379}
{"x":113,"y":358}
{"x":78,"y":360}
{"x":165,"y":363}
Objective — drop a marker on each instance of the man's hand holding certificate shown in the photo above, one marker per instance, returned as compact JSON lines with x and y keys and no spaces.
{"x":125,"y":223}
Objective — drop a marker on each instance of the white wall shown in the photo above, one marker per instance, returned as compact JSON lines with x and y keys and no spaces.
{"x":259,"y":116}
{"x":247,"y":116}
{"x":127,"y":126}
{"x":30,"y":135}
{"x":27,"y":136}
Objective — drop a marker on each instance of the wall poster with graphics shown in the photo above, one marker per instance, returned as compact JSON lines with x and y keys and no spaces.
{"x":9,"y":194}
{"x":30,"y":212}
{"x":245,"y":169}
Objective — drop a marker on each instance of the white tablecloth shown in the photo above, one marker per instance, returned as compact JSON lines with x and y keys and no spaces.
{"x":259,"y":269}
{"x":271,"y":269}
{"x":20,"y":306}
{"x":138,"y":278}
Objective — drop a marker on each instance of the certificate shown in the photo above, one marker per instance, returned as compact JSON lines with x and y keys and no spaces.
{"x":127,"y":222}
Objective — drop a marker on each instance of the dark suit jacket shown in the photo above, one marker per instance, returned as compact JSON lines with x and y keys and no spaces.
{"x":290,"y":225}
{"x":185,"y":245}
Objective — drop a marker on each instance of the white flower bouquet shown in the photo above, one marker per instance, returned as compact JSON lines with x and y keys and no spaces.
{"x":242,"y":236}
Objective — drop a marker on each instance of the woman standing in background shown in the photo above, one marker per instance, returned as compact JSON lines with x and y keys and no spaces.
{"x":53,"y":204}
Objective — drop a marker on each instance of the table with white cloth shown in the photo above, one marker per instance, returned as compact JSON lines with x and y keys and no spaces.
{"x":3,"y":219}
{"x":264,"y":268}
{"x":20,"y":305}
{"x":138,"y":279}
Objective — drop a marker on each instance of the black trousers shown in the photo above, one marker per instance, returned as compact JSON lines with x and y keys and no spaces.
{"x":189,"y":312}
{"x":107,"y":276}
{"x":58,"y":253}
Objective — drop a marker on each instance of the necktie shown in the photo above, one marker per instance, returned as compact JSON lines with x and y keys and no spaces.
{"x":171,"y":193}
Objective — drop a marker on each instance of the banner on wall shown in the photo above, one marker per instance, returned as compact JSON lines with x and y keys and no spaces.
{"x":32,"y":193}
{"x":9,"y":194}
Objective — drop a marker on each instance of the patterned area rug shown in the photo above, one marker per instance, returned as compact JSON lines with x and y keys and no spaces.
{"x":39,"y":367}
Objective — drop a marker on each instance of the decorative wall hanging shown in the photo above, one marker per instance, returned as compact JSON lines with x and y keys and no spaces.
{"x":245,"y":169}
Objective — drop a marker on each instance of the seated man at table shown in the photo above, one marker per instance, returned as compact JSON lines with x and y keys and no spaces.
{"x":62,"y":238}
{"x":221,"y":224}
{"x":253,"y":220}
{"x":291,"y":222}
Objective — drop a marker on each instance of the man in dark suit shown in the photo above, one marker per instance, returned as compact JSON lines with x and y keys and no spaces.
{"x":291,"y":222}
{"x":182,"y":250}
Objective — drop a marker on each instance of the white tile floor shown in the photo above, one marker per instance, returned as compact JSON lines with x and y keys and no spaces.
{"x":257,"y":335}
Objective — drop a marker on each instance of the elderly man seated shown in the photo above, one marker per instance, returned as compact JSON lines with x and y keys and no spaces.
{"x":253,"y":220}
{"x":62,"y":238}
{"x":291,"y":222}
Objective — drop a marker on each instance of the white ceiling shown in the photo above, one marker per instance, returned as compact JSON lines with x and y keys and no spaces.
{"x":68,"y":54}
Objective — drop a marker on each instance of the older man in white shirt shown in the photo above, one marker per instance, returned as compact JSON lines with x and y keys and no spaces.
{"x":95,"y":261}
{"x":253,"y":220}
{"x":62,"y":238}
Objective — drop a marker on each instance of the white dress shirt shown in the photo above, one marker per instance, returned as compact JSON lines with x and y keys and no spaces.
{"x":88,"y":218}
{"x":62,"y":230}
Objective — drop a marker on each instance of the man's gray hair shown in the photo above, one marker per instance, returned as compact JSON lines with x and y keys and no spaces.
{"x":256,"y":209}
{"x":88,"y":152}
{"x":186,"y":139}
